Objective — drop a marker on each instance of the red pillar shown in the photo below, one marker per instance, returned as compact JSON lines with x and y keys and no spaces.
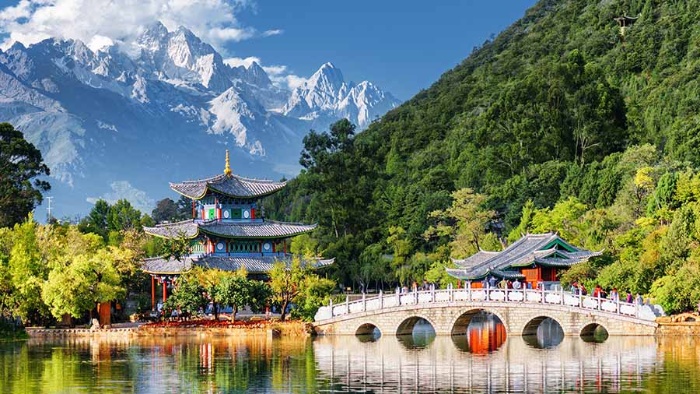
{"x":165,"y":290}
{"x":153,"y":293}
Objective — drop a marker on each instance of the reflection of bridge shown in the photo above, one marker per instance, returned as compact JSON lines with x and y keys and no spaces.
{"x":388,"y":365}
{"x":450,"y":311}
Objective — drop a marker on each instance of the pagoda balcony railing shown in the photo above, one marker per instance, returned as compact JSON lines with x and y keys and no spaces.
{"x":490,"y":295}
{"x":241,"y":254}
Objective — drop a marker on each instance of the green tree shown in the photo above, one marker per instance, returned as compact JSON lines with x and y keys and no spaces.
{"x":464,"y":223}
{"x":315,"y":292}
{"x":87,"y":280}
{"x":188,"y":296}
{"x":20,"y":164}
{"x":285,"y":282}
{"x":168,"y":210}
{"x":234,"y":291}
{"x":28,"y":272}
{"x":96,"y":221}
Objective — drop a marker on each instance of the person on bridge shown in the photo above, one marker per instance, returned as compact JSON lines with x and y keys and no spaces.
{"x":516,"y":284}
{"x":503,"y":284}
{"x":614,"y":295}
{"x":629,"y":298}
{"x":574,"y":288}
{"x":492,"y":281}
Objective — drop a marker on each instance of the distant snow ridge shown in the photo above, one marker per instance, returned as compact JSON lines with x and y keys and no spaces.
{"x":326,"y":94}
{"x":170,"y":99}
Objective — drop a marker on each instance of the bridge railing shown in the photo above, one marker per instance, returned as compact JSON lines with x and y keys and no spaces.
{"x":519,"y":296}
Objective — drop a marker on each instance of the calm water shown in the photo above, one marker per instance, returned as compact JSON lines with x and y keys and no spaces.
{"x":482,"y":360}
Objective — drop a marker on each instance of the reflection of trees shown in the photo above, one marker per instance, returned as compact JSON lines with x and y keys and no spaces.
{"x":620,"y":364}
{"x":682,"y":361}
{"x":158,"y":365}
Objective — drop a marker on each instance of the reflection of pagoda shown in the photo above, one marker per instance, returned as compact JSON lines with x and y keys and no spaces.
{"x":227,"y":231}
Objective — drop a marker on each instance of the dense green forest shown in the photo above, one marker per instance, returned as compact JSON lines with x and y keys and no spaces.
{"x":564,"y":122}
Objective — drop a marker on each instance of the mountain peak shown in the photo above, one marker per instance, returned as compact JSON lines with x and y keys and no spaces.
{"x":155,"y":30}
{"x":328,"y":78}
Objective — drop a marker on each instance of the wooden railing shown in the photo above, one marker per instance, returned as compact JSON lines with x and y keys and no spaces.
{"x":520,"y":296}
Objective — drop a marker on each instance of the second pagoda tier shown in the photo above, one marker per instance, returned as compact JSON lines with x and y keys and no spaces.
{"x":259,"y":237}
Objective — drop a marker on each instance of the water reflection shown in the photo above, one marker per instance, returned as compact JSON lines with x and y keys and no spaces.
{"x":547,"y":335}
{"x":515,"y":367}
{"x":485,"y":333}
{"x":423,"y":334}
{"x":345,"y":364}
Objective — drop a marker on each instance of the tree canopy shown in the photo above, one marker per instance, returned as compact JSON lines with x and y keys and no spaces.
{"x":21,"y":167}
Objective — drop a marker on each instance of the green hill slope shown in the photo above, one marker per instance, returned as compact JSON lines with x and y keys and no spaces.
{"x":559,"y":105}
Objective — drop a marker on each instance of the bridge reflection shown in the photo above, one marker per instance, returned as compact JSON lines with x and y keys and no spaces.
{"x":447,"y":364}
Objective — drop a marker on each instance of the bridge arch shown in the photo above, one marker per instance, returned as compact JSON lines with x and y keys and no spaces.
{"x":531,"y":326}
{"x":408,"y":324}
{"x":459,"y":325}
{"x":594,"y":332}
{"x":367,"y":328}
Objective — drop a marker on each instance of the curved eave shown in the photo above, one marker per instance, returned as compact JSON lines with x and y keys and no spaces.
{"x":187,"y":229}
{"x":160,"y":266}
{"x":217,"y":184}
{"x":212,"y":230}
{"x":191,"y":197}
{"x":254,"y":195}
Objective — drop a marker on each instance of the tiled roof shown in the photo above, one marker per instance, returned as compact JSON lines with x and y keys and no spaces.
{"x":475,"y":259}
{"x":253,"y":265}
{"x":230,"y":185}
{"x":266,"y":229}
{"x":159,"y":265}
{"x":527,"y":250}
{"x":186,"y":229}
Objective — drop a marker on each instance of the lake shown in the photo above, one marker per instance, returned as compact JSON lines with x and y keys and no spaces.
{"x":482,"y":360}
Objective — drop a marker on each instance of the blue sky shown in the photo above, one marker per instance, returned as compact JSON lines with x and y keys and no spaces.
{"x":402,"y":46}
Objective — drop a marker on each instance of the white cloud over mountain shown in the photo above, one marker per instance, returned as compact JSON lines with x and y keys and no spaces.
{"x":91,"y":21}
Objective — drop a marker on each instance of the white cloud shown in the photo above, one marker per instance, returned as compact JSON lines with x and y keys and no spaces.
{"x":294,"y":81}
{"x":274,"y":32}
{"x":123,"y":190}
{"x":215,"y":21}
{"x":275,"y":70}
{"x":239,"y":61}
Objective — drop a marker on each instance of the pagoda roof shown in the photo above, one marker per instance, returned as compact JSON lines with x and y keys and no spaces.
{"x":227,"y":184}
{"x":254,"y":265}
{"x":265,"y":229}
{"x":475,"y":259}
{"x":544,"y":249}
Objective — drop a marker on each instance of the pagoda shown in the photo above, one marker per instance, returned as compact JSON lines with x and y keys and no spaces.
{"x":228,"y":230}
{"x":533,"y":259}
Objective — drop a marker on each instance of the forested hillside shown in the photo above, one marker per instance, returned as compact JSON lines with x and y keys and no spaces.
{"x":564,"y":122}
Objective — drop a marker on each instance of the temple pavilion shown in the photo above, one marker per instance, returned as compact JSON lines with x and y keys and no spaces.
{"x":533,"y":259}
{"x":228,"y":230}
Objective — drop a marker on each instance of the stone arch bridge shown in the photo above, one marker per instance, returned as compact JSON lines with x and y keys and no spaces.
{"x":450,"y":311}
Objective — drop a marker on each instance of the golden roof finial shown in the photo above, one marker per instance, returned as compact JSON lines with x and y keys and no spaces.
{"x":227,"y":168}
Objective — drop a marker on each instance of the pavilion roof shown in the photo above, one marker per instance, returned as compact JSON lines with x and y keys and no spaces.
{"x":544,"y":249}
{"x":265,"y":229}
{"x":254,"y":265}
{"x":227,"y":184}
{"x":475,"y":259}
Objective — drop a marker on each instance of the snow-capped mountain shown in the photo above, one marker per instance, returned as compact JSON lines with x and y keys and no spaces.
{"x":123,"y":122}
{"x":326,"y":96}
